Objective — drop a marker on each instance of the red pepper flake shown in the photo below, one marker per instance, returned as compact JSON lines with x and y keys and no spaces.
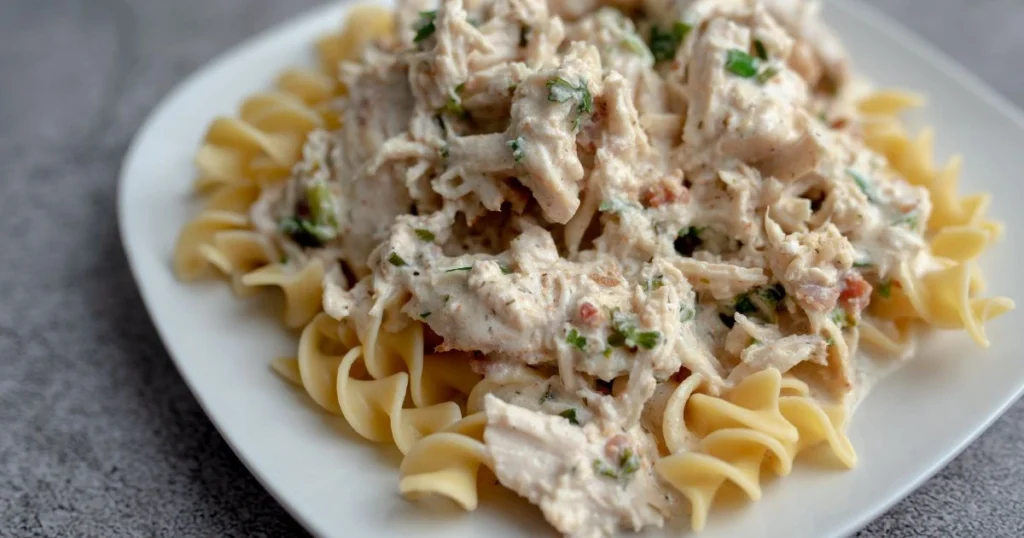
{"x":856,"y":292}
{"x":589,"y":315}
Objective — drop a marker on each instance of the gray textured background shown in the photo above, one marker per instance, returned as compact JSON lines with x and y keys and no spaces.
{"x":98,"y":434}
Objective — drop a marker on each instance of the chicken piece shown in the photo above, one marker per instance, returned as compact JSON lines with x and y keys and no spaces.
{"x":588,"y":481}
{"x":762,"y":122}
{"x":546,"y":113}
{"x":809,"y":264}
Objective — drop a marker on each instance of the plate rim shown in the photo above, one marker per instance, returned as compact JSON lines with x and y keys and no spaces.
{"x":870,"y":14}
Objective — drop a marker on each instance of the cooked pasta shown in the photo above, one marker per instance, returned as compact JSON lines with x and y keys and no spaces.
{"x":618,"y":254}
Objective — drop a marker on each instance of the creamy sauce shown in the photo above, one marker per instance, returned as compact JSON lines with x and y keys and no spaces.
{"x":597,"y":199}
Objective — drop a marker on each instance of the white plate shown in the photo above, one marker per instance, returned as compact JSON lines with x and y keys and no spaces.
{"x":336,"y":484}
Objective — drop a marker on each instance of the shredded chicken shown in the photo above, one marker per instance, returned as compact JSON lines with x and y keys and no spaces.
{"x":602,"y":197}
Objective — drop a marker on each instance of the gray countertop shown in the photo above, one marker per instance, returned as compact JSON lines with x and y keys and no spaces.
{"x":98,"y":434}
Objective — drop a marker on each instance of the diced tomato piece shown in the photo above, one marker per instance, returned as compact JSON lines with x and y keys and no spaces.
{"x":856,"y":292}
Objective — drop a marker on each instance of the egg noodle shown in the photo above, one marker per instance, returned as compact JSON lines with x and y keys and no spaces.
{"x":618,"y":253}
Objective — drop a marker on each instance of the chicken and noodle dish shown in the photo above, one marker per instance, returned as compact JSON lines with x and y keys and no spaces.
{"x":615,"y":253}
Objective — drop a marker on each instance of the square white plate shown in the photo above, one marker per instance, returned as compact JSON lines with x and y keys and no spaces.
{"x":337,"y":484}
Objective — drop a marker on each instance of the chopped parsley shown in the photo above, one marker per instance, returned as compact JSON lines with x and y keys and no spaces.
{"x":760,"y":50}
{"x":444,"y":151}
{"x":766,"y":75}
{"x":518,"y":151}
{"x":548,"y":395}
{"x":424,"y":235}
{"x":604,"y":469}
{"x":425,"y":315}
{"x":454,"y":107}
{"x":570,"y":415}
{"x":305,"y":232}
{"x":863,"y":263}
{"x":283,"y":258}
{"x":772,"y":295}
{"x":634,"y":45}
{"x":687,"y":313}
{"x":665,"y":43}
{"x":629,"y":462}
{"x":840,"y":317}
{"x":561,"y":90}
{"x":745,"y":306}
{"x":576,"y":340}
{"x":688,"y":239}
{"x":884,"y":288}
{"x":505,"y":270}
{"x":625,"y":334}
{"x":909,"y":220}
{"x":740,"y":63}
{"x":446,"y":298}
{"x":315,"y":222}
{"x":425,"y":27}
{"x":744,"y":65}
{"x":321,"y":204}
{"x":466,"y":268}
{"x":396,"y":260}
{"x":654,"y":283}
{"x":862,"y":184}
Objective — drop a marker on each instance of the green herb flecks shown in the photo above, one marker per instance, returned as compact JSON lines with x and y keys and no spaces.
{"x":321,"y":204}
{"x":884,"y":288}
{"x":766,"y":74}
{"x":465,"y":268}
{"x":549,"y":394}
{"x":744,"y":65}
{"x":561,"y":90}
{"x":425,"y":27}
{"x":633,"y":44}
{"x":863,"y":185}
{"x":665,"y":43}
{"x":518,"y":149}
{"x":625,"y":334}
{"x":759,"y":49}
{"x":305,"y":232}
{"x":424,"y":315}
{"x":687,"y":313}
{"x":629,"y":462}
{"x":396,"y":260}
{"x":653,"y":283}
{"x":772,"y":295}
{"x":444,"y":151}
{"x":576,"y":340}
{"x":505,"y":270}
{"x":740,"y":63}
{"x":424,"y":234}
{"x":745,"y":306}
{"x":570,"y":415}
{"x":841,"y":318}
{"x":604,"y":469}
{"x":910,"y":220}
